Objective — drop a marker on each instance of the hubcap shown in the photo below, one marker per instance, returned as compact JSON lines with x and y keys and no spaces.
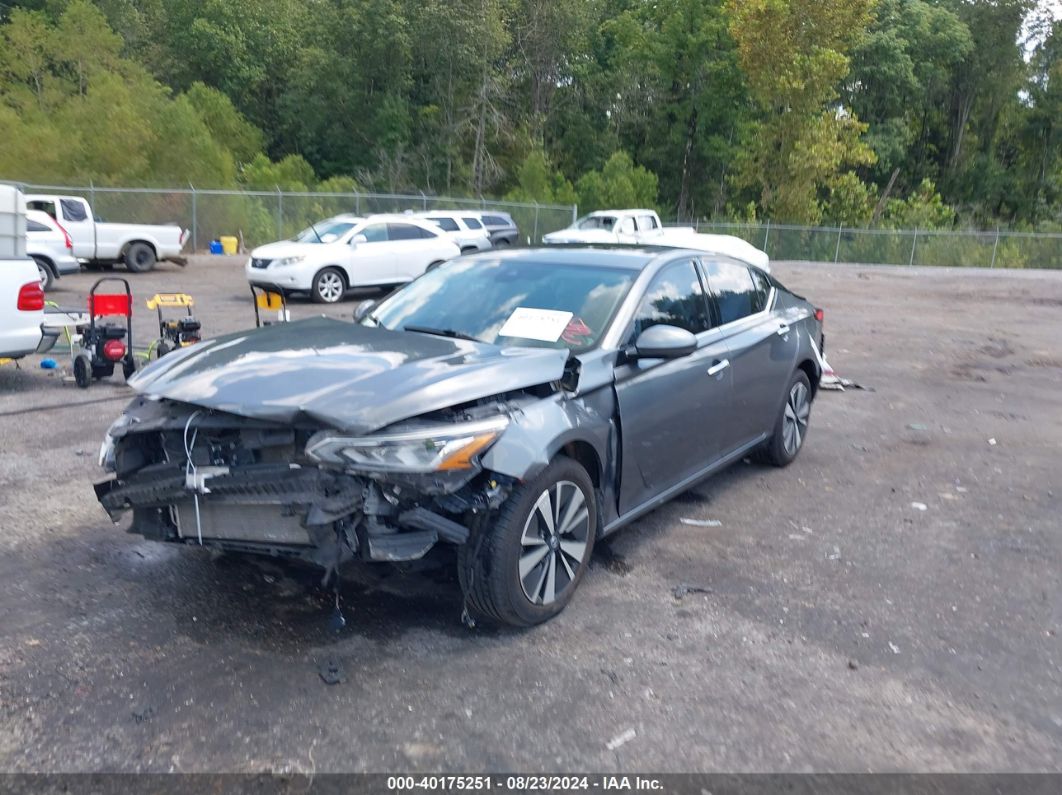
{"x":554,"y":542}
{"x":330,"y":287}
{"x":42,"y":274}
{"x":795,"y":424}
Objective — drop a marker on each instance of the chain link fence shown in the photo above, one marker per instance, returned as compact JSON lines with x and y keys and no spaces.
{"x":996,"y":249}
{"x":264,"y":216}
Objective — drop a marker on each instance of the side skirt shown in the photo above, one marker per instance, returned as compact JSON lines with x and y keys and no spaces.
{"x":681,"y":486}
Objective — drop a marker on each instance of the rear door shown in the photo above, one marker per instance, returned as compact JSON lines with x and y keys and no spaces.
{"x":671,"y":411}
{"x":414,"y":249}
{"x":762,"y":351}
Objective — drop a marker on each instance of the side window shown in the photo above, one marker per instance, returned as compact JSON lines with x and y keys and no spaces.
{"x":472,"y":223}
{"x":446,"y":224}
{"x":425,"y":234}
{"x":675,"y":298}
{"x":763,"y":290}
{"x":45,"y":206}
{"x":646,"y":223}
{"x":73,"y":210}
{"x":403,"y":232}
{"x":494,"y":220}
{"x":733,"y":288}
{"x":35,"y":226}
{"x":375,"y":233}
{"x":626,"y":226}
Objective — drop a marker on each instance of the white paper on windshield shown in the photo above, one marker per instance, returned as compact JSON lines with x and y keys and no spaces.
{"x":536,"y":324}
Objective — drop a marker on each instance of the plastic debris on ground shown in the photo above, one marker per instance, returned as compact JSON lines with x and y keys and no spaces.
{"x":701,"y":522}
{"x":919,"y":506}
{"x":621,"y":739}
{"x":681,"y":591}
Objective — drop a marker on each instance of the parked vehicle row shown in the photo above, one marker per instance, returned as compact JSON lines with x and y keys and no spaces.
{"x":96,"y":243}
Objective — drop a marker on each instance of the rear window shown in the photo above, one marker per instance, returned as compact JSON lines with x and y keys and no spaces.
{"x":495,"y":220}
{"x":446,"y":224}
{"x":407,"y":232}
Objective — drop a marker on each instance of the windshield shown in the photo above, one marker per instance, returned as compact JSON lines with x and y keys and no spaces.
{"x":517,"y":302}
{"x":605,"y":222}
{"x":324,"y":231}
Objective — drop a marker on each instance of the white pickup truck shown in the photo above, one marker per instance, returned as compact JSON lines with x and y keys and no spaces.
{"x":137,"y":246}
{"x":643,"y":227}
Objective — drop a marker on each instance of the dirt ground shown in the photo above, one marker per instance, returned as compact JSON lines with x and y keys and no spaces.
{"x":891,"y":601}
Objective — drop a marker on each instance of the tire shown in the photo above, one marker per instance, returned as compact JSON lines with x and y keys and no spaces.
{"x":129,"y":368}
{"x":329,"y":286}
{"x":502,"y":242}
{"x":162,"y":349}
{"x":490,"y":563}
{"x":82,"y":371}
{"x":44,"y":270}
{"x":139,"y":258}
{"x":791,"y":427}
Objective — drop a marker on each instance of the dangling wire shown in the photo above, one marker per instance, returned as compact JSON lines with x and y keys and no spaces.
{"x":189,"y":469}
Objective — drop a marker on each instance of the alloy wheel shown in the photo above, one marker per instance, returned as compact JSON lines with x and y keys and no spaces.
{"x":330,"y":287}
{"x":554,"y":542}
{"x":795,"y":424}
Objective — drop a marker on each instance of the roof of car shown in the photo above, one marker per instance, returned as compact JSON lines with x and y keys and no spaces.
{"x":607,"y":256}
{"x":632,"y":211}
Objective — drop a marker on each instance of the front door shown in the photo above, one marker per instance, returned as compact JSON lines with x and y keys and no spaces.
{"x":671,"y":411}
{"x":371,"y":261}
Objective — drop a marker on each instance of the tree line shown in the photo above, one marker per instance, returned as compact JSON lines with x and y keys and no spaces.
{"x":928,"y":113}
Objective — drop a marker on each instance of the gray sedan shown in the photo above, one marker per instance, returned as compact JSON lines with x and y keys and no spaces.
{"x":518,"y":405}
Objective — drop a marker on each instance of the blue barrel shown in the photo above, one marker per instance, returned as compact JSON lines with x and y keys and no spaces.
{"x":216,"y":247}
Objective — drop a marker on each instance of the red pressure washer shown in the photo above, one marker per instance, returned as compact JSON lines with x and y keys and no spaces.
{"x":98,"y":347}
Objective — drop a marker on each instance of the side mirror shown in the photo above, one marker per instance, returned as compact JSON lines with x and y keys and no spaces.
{"x":358,"y":239}
{"x":363,"y":309}
{"x":664,"y":342}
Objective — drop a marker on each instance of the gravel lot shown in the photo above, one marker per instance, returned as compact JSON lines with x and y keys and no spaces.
{"x":828,"y":624}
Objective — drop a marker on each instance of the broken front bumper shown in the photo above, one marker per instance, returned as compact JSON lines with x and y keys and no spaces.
{"x":305,"y":512}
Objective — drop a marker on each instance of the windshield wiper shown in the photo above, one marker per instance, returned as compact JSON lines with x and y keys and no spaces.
{"x":441,"y":332}
{"x":318,"y":236}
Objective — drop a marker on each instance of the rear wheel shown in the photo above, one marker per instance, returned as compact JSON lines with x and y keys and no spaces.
{"x":44,"y":271}
{"x":524,"y":567}
{"x":129,"y":367}
{"x":791,"y":427}
{"x":139,"y":257}
{"x":328,"y":286}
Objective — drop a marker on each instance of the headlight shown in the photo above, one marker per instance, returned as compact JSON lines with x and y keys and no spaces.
{"x":438,"y":448}
{"x":106,"y":459}
{"x":280,"y":263}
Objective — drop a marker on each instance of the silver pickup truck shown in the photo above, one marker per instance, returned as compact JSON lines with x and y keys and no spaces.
{"x":137,"y":246}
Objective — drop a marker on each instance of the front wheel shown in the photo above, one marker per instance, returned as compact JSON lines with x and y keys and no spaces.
{"x":82,"y":371}
{"x":328,"y":286}
{"x":791,"y":427}
{"x":524,"y":568}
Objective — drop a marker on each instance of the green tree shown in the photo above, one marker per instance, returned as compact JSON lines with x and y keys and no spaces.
{"x":619,"y":183}
{"x":794,"y":55}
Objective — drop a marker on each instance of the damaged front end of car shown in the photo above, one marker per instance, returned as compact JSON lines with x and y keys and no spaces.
{"x":200,"y":476}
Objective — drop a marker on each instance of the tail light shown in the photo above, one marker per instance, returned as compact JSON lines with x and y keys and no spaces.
{"x":66,"y":237}
{"x":31,"y":297}
{"x":114,"y":350}
{"x":820,"y":315}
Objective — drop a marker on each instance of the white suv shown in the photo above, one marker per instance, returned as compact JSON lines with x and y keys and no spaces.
{"x":50,"y":247}
{"x":330,"y":257}
{"x":465,"y":228}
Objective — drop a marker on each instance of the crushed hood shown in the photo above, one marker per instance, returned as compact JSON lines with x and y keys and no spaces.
{"x":354,"y":378}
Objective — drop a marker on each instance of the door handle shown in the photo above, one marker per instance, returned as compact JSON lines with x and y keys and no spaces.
{"x":718,"y":367}
{"x":783,"y":330}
